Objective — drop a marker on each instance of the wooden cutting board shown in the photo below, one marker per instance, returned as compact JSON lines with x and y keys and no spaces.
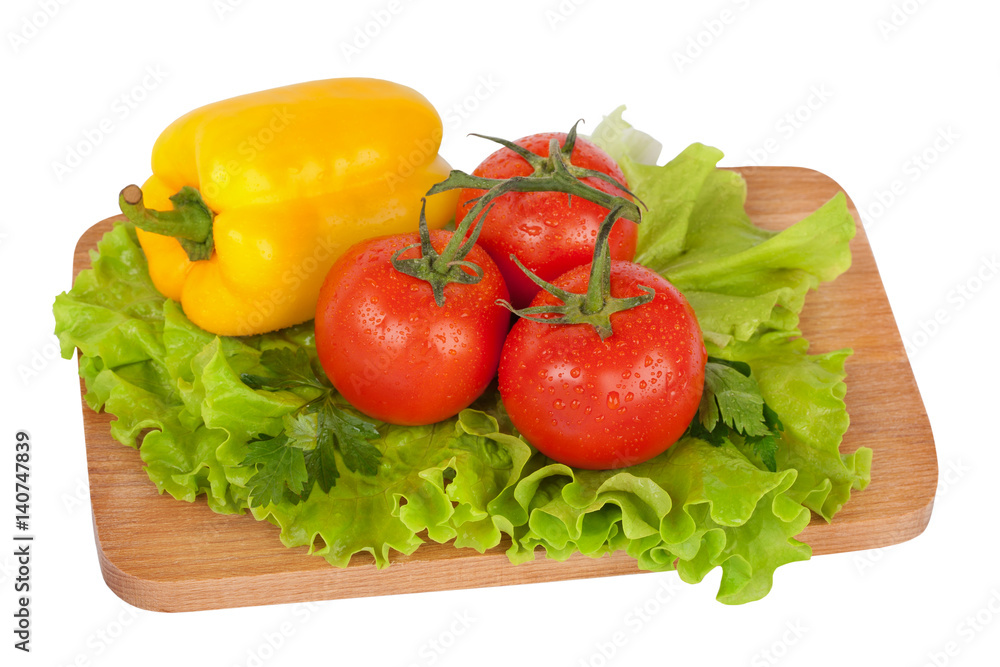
{"x":162,"y":554}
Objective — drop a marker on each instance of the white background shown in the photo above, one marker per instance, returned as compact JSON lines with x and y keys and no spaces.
{"x":885,"y":78}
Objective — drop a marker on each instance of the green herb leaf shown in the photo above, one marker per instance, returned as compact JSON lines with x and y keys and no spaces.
{"x":765,"y":446}
{"x":732,"y":402}
{"x":280,"y":469}
{"x":292,"y":368}
{"x":321,"y":461}
{"x":319,"y":429}
{"x":732,"y":397}
{"x":717,"y":436}
{"x":350,"y":435}
{"x":300,"y":429}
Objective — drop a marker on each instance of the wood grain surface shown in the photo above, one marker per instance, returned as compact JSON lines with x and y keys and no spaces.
{"x":163,"y":554}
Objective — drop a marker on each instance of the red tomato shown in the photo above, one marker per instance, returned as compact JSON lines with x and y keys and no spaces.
{"x":391,"y":351}
{"x":548,"y":233}
{"x":606,"y":404}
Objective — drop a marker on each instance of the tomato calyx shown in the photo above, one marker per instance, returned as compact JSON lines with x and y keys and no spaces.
{"x":439,"y":269}
{"x":190,"y":222}
{"x":596,"y":306}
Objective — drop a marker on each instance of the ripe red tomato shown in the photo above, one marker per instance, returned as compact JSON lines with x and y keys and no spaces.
{"x":547,"y":231}
{"x":602,"y":404}
{"x":391,"y":351}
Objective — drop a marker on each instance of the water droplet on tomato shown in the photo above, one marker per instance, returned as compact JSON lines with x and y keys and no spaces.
{"x":649,"y":361}
{"x":558,"y":404}
{"x":575,"y":372}
{"x":574,"y":404}
{"x":626,"y":374}
{"x":531,"y":230}
{"x":629,"y":396}
{"x":613,"y":400}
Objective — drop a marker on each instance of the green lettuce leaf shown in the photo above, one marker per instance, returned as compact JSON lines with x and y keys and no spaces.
{"x":694,"y":508}
{"x":669,"y":192}
{"x":807,"y":392}
{"x":747,"y":286}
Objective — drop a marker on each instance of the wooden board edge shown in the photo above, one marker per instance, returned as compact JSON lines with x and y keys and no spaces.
{"x":174,"y":596}
{"x":402,"y":578}
{"x":88,"y":239}
{"x":909,"y":525}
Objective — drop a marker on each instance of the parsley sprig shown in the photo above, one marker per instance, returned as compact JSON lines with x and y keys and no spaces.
{"x":731,"y":403}
{"x":288,"y":465}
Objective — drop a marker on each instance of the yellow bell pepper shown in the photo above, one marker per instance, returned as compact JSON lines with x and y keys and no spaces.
{"x":252,"y":199}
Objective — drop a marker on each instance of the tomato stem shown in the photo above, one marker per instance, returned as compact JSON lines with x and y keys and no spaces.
{"x":438,"y":269}
{"x":596,"y":306}
{"x":190,"y":221}
{"x":552,"y":173}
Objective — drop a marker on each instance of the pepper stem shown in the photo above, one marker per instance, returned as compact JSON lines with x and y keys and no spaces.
{"x":190,"y":221}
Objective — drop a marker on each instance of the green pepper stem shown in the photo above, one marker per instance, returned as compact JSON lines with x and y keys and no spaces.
{"x":190,"y":221}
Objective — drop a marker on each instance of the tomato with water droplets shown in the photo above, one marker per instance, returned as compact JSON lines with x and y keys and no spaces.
{"x":391,"y":351}
{"x":549,"y":232}
{"x":604,"y":404}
